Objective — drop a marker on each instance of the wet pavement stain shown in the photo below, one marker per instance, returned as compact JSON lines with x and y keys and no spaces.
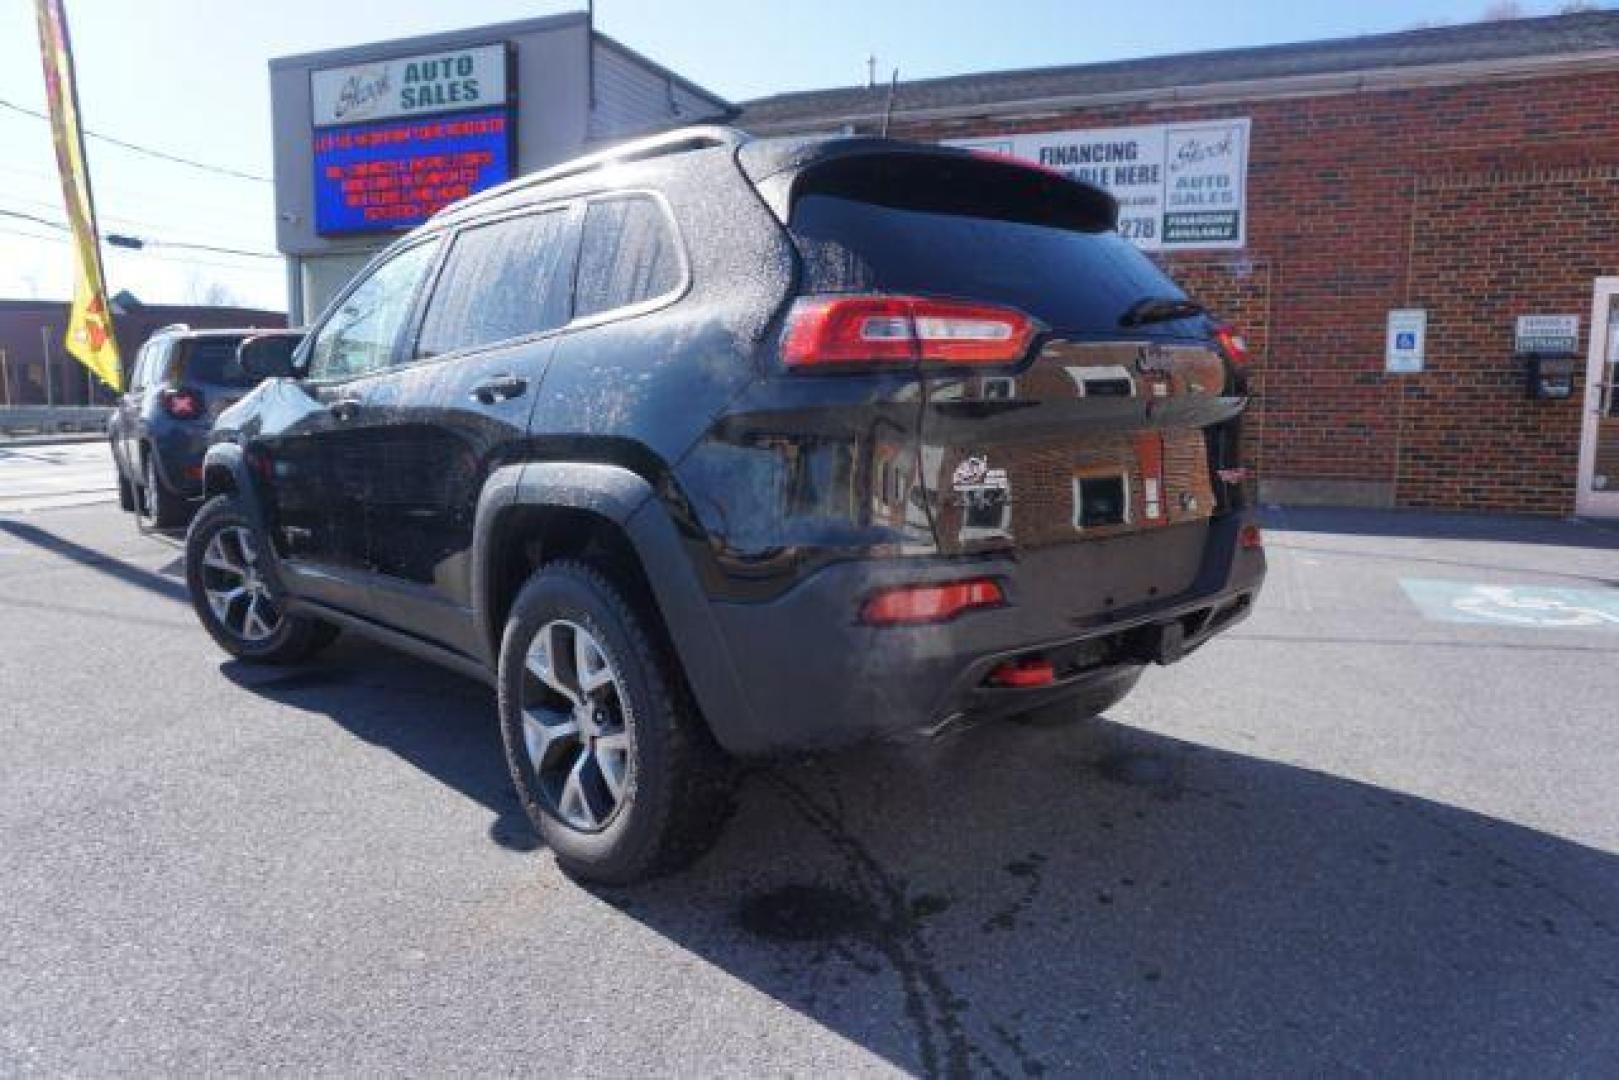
{"x":876,"y":910}
{"x":1149,"y":772}
{"x":1027,"y":869}
{"x":801,"y":913}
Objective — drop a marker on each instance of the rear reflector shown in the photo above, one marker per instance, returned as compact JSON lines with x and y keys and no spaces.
{"x":912,"y":604}
{"x":182,"y":404}
{"x":1029,"y":671}
{"x":1250,"y":537}
{"x":827,"y":331}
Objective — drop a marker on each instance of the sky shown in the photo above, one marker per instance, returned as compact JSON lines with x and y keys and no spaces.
{"x":189,"y":77}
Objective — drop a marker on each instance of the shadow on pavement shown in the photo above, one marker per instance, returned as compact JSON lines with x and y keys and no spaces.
{"x":1094,"y":897}
{"x":168,"y":587}
{"x":442,"y":724}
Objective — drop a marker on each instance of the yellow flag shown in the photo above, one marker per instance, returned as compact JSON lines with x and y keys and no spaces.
{"x":89,"y":326}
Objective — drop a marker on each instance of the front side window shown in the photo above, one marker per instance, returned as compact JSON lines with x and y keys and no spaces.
{"x":627,"y":254}
{"x":359,"y":336}
{"x":499,"y":282}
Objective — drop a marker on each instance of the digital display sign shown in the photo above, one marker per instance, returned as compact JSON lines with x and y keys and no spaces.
{"x":394,"y":174}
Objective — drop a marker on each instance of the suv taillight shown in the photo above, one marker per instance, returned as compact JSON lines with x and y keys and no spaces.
{"x":183,"y":404}
{"x":839,"y":331}
{"x":1232,"y":344}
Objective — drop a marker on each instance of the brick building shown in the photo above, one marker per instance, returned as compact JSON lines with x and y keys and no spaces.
{"x":31,"y":349}
{"x":1470,"y":173}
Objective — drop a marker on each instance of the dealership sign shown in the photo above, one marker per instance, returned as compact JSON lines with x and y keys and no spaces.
{"x":1180,"y":187}
{"x":398,"y":173}
{"x":451,"y":80}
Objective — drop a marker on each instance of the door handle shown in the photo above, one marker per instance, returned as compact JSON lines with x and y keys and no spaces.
{"x":345,"y":408}
{"x":500,"y":388}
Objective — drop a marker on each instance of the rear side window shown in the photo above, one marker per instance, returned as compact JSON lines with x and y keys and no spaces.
{"x":628,"y":254}
{"x":213,"y":361}
{"x":500,"y":281}
{"x":975,"y":231}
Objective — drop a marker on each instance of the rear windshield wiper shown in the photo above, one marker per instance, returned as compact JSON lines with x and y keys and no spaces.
{"x":1156,"y":309}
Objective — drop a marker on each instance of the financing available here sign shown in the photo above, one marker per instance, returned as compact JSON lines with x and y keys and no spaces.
{"x":1180,"y":187}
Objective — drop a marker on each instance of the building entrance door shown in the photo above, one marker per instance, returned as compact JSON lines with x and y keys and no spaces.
{"x":1599,"y":448}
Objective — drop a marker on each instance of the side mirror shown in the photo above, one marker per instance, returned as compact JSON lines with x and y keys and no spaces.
{"x":269,"y":356}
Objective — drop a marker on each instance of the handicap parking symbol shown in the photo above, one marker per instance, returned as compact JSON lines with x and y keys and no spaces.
{"x":1538,"y":606}
{"x":1405,"y":340}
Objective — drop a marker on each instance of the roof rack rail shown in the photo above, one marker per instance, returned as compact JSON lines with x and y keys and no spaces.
{"x":676,"y":141}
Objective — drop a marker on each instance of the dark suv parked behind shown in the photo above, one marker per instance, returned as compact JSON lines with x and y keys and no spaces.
{"x":180,"y":381}
{"x":713,"y":447}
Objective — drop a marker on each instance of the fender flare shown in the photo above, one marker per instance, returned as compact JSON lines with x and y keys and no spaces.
{"x":629,"y":501}
{"x":229,"y":456}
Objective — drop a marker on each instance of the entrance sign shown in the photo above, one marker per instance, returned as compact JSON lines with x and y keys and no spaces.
{"x":1547,"y":334}
{"x":398,"y":173}
{"x":1181,"y":187}
{"x":452,"y":80}
{"x":1407,"y":348}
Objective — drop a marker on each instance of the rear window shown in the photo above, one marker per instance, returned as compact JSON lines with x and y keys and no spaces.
{"x":627,"y":255}
{"x":974,"y":231}
{"x":213,"y":361}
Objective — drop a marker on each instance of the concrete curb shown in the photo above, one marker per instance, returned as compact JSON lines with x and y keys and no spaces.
{"x":52,"y":439}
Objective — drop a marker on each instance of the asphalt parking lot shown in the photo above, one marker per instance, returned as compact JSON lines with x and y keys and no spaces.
{"x":1373,"y":829}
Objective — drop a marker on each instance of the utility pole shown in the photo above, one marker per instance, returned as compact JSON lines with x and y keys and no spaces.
{"x":5,"y":378}
{"x":45,"y":341}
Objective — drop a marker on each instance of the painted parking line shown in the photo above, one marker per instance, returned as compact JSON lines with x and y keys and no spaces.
{"x":1539,"y":606}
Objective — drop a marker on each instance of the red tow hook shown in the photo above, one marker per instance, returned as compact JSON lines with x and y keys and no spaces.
{"x":1025,"y":672}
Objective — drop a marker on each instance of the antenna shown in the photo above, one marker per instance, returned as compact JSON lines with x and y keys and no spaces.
{"x":888,"y":110}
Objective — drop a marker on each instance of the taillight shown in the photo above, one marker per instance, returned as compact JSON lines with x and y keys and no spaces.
{"x":1250,"y":538}
{"x":182,"y":404}
{"x":912,"y":604}
{"x":1232,"y":344}
{"x":832,"y":331}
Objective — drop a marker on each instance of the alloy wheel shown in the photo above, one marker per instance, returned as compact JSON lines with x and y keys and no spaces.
{"x":237,"y":592}
{"x":575,"y":727}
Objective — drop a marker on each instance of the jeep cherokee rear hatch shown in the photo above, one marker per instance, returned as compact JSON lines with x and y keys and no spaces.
{"x":1075,"y":400}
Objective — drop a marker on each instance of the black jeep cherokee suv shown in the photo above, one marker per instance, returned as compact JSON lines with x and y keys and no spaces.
{"x":711,"y":447}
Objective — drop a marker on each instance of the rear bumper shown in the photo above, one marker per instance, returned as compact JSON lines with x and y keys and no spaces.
{"x":178,"y":451}
{"x":815,"y":677}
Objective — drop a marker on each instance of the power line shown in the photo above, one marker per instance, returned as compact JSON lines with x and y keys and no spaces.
{"x":36,"y":220}
{"x":139,"y":243}
{"x":150,"y":224}
{"x":173,"y":260}
{"x":147,"y":150}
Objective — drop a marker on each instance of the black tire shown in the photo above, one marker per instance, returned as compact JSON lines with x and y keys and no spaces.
{"x":294,"y":638}
{"x":676,"y":785}
{"x":1091,"y":702}
{"x":156,"y":507}
{"x":126,"y":492}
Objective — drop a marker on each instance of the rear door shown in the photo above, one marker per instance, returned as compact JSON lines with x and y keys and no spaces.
{"x":1112,"y":434}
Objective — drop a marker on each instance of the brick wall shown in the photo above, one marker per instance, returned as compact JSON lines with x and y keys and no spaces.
{"x":1478,"y":202}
